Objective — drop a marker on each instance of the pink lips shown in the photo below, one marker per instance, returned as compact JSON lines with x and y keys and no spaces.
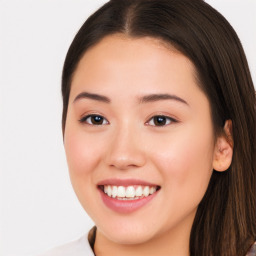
{"x":125,"y":206}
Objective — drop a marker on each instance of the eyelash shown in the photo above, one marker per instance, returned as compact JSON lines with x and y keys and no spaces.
{"x":166,"y":119}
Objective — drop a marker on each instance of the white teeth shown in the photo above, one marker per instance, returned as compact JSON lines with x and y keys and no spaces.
{"x":146,"y":191}
{"x":130,"y":192}
{"x":152,"y":190}
{"x":138,"y":191}
{"x":121,"y":191}
{"x":109,"y":190}
{"x":114,"y":191}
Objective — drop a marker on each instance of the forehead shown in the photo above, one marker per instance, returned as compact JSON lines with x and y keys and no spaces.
{"x":118,"y":62}
{"x":120,"y":45}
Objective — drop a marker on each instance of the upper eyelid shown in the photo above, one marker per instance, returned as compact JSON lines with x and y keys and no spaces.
{"x":83,"y":118}
{"x":90,"y":113}
{"x":163,"y":115}
{"x":87,"y":114}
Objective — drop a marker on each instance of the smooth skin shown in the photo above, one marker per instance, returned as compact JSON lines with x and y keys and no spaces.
{"x":123,"y":140}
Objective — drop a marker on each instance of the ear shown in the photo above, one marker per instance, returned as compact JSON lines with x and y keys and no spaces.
{"x":223,"y":151}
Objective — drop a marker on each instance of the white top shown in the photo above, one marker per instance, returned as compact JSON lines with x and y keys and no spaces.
{"x":80,"y":247}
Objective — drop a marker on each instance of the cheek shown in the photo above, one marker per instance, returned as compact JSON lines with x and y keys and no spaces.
{"x":82,"y":154}
{"x":185,"y":161}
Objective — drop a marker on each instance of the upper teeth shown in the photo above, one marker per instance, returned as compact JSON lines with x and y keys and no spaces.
{"x":132,"y":192}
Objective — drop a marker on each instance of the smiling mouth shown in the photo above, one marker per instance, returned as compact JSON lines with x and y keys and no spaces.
{"x":130,"y":192}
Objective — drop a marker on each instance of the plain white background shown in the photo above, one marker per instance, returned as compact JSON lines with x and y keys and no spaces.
{"x":38,"y":208}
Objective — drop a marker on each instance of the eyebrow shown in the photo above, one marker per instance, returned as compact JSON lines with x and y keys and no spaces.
{"x":144,"y":99}
{"x":92,"y":96}
{"x":157,"y":97}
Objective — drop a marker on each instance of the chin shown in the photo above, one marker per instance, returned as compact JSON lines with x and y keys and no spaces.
{"x":130,"y":234}
{"x":129,"y":239}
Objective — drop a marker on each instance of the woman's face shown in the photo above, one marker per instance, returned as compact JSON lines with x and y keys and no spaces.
{"x":139,"y":127}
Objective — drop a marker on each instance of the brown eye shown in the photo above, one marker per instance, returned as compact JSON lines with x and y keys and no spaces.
{"x":161,"y":120}
{"x":94,"y":120}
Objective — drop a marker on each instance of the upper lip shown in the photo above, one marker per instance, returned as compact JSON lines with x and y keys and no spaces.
{"x":125,"y":182}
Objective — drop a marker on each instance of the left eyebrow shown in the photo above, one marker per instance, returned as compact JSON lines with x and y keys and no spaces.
{"x":92,"y":96}
{"x":158,"y":97}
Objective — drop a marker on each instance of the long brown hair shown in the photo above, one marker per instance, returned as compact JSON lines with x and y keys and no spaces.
{"x":225,"y":223}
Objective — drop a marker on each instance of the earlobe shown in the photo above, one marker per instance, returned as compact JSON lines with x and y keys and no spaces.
{"x":223,"y":151}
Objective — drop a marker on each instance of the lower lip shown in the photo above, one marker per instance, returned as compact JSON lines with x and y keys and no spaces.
{"x":125,"y":206}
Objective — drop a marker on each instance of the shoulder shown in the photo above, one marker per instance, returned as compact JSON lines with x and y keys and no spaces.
{"x":252,"y":251}
{"x":79,"y":247}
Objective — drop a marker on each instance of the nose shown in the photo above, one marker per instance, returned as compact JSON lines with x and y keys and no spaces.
{"x":126,"y":150}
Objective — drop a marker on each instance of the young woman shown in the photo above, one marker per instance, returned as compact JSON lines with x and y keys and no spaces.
{"x":159,"y":131}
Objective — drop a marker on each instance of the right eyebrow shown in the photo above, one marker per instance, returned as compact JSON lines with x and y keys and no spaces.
{"x":158,"y":97}
{"x":92,"y":96}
